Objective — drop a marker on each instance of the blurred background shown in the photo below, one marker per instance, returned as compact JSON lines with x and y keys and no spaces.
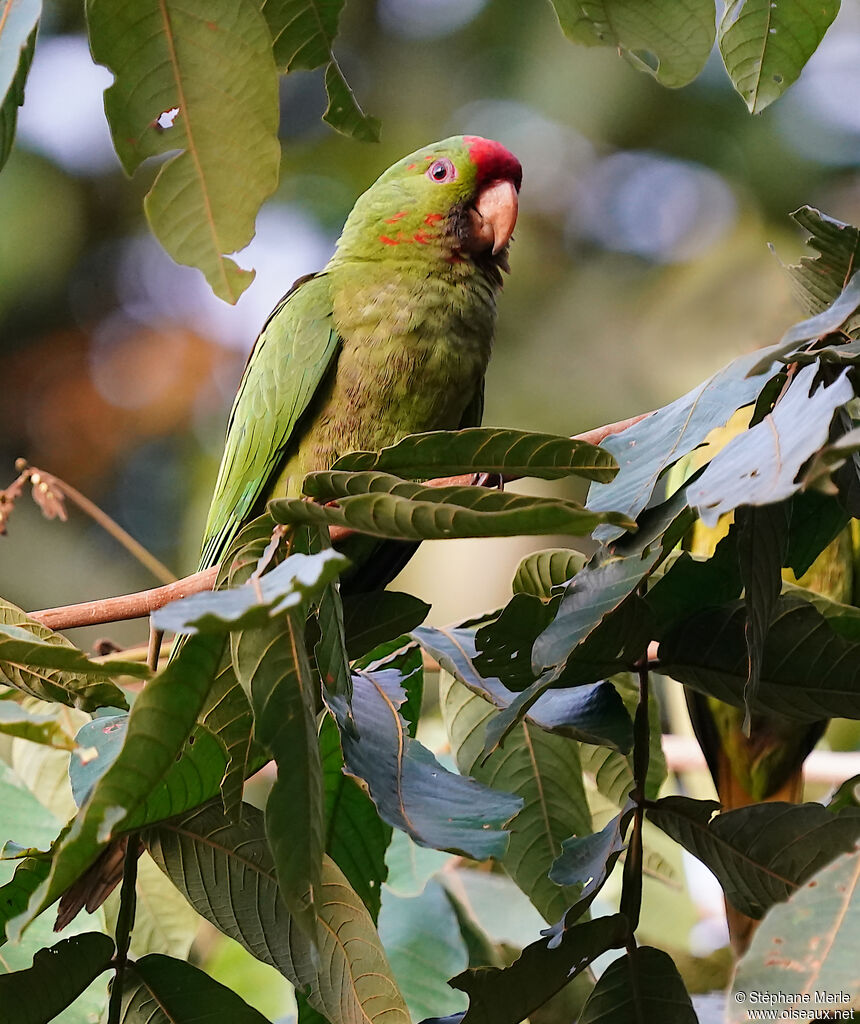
{"x":641,"y":266}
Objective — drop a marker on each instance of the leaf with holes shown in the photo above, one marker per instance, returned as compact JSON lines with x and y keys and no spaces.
{"x":486,"y":450}
{"x":349,"y":979}
{"x":670,"y":39}
{"x":765,"y":45}
{"x":201,"y":80}
{"x":411,"y":790}
{"x":807,"y":944}
{"x":542,"y":769}
{"x":762,"y":853}
{"x":818,"y":281}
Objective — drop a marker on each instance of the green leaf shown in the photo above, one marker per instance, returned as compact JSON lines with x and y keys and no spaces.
{"x":58,"y":976}
{"x":670,"y":39}
{"x":762,"y":547}
{"x":228,"y":718}
{"x":542,"y":769}
{"x":202,"y":80}
{"x":488,"y":450}
{"x":818,"y":281}
{"x":27,"y":725}
{"x":507,"y":995}
{"x":411,"y":790}
{"x":806,"y":945}
{"x":356,"y":838}
{"x":273,"y":665}
{"x":371,"y":619}
{"x":592,"y":713}
{"x":303,"y":31}
{"x":809,"y":671}
{"x":588,"y":860}
{"x":639,"y":986}
{"x":98,"y":745}
{"x":409,"y":928}
{"x":44,"y":664}
{"x":12,"y":91}
{"x":162,"y":718}
{"x":648,"y":448}
{"x":765,"y":45}
{"x":290,"y":585}
{"x":539,"y":572}
{"x":762,"y":853}
{"x":348,"y":978}
{"x":159,"y":989}
{"x":385,"y":506}
{"x":343,"y":112}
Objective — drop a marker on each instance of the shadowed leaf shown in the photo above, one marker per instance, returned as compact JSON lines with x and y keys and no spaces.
{"x":371,"y":619}
{"x":12,"y":91}
{"x":642,"y":986}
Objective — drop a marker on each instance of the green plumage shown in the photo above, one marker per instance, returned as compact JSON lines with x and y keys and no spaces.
{"x":391,"y":338}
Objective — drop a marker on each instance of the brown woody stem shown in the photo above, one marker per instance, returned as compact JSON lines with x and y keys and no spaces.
{"x":135,"y":606}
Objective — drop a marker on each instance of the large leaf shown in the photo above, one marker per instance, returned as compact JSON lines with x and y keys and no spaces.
{"x":765,"y":45}
{"x":349,"y":979}
{"x":303,"y":32}
{"x":592,"y":713}
{"x":643,"y":985}
{"x":58,"y":976}
{"x":12,"y":90}
{"x":200,"y":79}
{"x":588,"y":860}
{"x":385,"y":506}
{"x":670,"y":39}
{"x":371,"y":619}
{"x":818,"y":281}
{"x":762,"y":853}
{"x":539,"y":572}
{"x":507,"y":995}
{"x":411,"y":790}
{"x":809,"y":670}
{"x":542,"y":769}
{"x":162,"y":718}
{"x":159,"y":989}
{"x":648,"y":448}
{"x":44,"y":664}
{"x":489,"y":450}
{"x":228,"y":718}
{"x":806,"y":945}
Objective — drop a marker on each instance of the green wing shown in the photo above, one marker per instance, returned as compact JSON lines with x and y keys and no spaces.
{"x":295,"y":349}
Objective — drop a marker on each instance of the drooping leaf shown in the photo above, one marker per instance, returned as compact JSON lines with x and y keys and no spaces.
{"x":648,"y":448}
{"x":538,"y":573}
{"x":58,"y":976}
{"x":409,"y":928}
{"x":670,"y":40}
{"x":160,"y":989}
{"x":762,"y":547}
{"x":818,"y":281}
{"x":182,"y":76}
{"x":385,"y":506}
{"x":809,"y":670}
{"x":588,"y":860}
{"x":765,"y":45}
{"x":411,"y":790}
{"x":639,"y":986}
{"x":356,"y":838}
{"x":349,"y":980}
{"x":289,"y":585}
{"x":507,"y":995}
{"x":162,"y":718}
{"x":487,"y":450}
{"x":542,"y":769}
{"x":762,"y":853}
{"x":44,"y":664}
{"x":12,"y":92}
{"x":371,"y":619}
{"x":593,"y":714}
{"x":806,"y":945}
{"x":303,"y":32}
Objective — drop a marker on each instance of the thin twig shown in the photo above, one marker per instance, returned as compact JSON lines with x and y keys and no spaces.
{"x":134,"y":606}
{"x":124,"y":925}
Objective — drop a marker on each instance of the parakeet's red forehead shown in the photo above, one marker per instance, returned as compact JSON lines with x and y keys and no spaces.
{"x":493,"y":160}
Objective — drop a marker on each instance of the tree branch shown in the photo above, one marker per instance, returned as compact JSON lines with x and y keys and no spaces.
{"x":135,"y":606}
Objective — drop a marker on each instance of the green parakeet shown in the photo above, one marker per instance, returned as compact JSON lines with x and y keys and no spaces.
{"x":391,"y":338}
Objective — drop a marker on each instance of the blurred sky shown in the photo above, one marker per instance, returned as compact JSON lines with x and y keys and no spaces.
{"x":640,"y":264}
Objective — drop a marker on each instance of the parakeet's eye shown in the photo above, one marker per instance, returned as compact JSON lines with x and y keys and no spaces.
{"x":442,"y":170}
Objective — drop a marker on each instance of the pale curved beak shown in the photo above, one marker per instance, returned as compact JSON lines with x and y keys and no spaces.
{"x":493,"y":217}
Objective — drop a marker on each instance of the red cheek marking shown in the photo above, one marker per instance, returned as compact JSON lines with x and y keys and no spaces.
{"x":411,"y":167}
{"x":389,"y":241}
{"x":397,"y":217}
{"x":423,"y":237}
{"x":433,"y":218}
{"x":429,"y":158}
